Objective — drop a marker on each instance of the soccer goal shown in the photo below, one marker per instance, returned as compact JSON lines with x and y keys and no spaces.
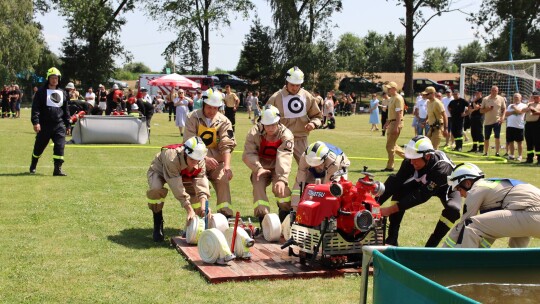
{"x":521,"y":76}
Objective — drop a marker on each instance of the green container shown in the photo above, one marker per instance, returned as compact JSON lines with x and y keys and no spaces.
{"x":401,"y":274}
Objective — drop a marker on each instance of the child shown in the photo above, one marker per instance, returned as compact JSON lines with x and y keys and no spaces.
{"x":330,"y":122}
{"x":255,"y":107}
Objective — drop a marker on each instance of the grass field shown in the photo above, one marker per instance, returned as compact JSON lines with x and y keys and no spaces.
{"x":87,"y":238}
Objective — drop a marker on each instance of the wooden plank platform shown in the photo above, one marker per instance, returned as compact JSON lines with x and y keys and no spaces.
{"x":268,"y":261}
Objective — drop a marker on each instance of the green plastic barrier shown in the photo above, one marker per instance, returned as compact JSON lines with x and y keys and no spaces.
{"x":397,"y":278}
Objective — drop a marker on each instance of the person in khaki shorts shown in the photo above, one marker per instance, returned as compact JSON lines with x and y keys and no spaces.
{"x":493,"y":209}
{"x":298,"y":109}
{"x":182,"y":167}
{"x":268,"y":152}
{"x":394,"y":124}
{"x":494,"y":109}
{"x":436,"y":118}
{"x":216,"y":132}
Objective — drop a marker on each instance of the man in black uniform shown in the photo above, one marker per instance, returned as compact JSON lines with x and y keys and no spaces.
{"x":50,"y":118}
{"x":477,"y":122}
{"x":457,"y":108}
{"x":422,"y":174}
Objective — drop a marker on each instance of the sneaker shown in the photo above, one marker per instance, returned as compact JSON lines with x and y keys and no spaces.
{"x":510,"y":157}
{"x":497,"y":154}
{"x":519,"y":158}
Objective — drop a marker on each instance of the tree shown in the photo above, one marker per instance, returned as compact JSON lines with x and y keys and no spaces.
{"x":494,"y":18}
{"x":325,"y":60}
{"x":414,"y":22}
{"x":196,"y":18}
{"x":437,"y":60}
{"x":137,"y":68}
{"x":90,"y":50}
{"x":21,"y":38}
{"x":392,"y":52}
{"x":257,"y":58}
{"x":350,"y":50}
{"x":472,"y":52}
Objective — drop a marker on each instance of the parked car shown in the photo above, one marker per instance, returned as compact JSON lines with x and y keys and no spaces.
{"x":359,"y":85}
{"x":205,"y":81}
{"x":420,"y":84}
{"x":452,"y":84}
{"x":233,"y":81}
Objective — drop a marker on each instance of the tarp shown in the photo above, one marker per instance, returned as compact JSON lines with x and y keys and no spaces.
{"x":110,"y":130}
{"x":175,"y":80}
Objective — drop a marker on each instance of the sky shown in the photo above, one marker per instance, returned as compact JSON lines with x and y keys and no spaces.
{"x":142,"y":37}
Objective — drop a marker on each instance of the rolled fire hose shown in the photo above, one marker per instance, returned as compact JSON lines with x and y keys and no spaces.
{"x":271,"y":227}
{"x":286,"y":227}
{"x":218,"y":221}
{"x":213,"y":247}
{"x":194,"y":229}
{"x":243,"y":242}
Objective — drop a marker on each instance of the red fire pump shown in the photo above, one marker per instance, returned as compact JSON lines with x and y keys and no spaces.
{"x":334,"y":220}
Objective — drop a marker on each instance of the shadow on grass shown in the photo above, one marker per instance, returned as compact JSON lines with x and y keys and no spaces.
{"x":20,"y":174}
{"x":141,"y":238}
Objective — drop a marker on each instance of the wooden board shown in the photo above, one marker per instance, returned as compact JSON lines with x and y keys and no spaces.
{"x":268,"y":261}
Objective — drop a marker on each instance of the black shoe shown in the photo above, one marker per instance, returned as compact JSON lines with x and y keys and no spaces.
{"x":529,"y":160}
{"x":158,"y":227}
{"x":472,"y":151}
{"x":497,"y":154}
{"x":33,"y":165}
{"x":485,"y":154}
{"x":58,"y":170}
{"x":387,"y":170}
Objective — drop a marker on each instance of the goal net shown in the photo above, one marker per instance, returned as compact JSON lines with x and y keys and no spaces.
{"x":520,"y":76}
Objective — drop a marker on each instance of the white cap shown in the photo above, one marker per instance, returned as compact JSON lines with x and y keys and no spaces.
{"x":70,"y":85}
{"x":115,"y":86}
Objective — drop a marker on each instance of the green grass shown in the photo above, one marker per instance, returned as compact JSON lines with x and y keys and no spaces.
{"x":87,"y":238}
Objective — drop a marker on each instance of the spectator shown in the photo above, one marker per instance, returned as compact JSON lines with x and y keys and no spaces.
{"x":420,"y":112}
{"x":90,"y":98}
{"x":15,"y":101}
{"x":532,"y":128}
{"x":170,"y":104}
{"x":384,"y":112}
{"x":249,"y":104}
{"x":477,"y":122}
{"x":374,"y":112}
{"x":330,"y":122}
{"x":494,"y":109}
{"x":231,"y":105}
{"x":449,"y":140}
{"x":102,"y":99}
{"x":515,"y":123}
{"x":197,"y":100}
{"x":146,"y":107}
{"x":458,"y":109}
{"x":256,"y":107}
{"x":328,"y":107}
{"x":114,"y":100}
{"x":181,"y":104}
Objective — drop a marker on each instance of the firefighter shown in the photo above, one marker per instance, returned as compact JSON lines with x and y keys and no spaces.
{"x":50,"y":118}
{"x":506,"y":207}
{"x":437,"y":118}
{"x":114,"y":100}
{"x":422,"y":175}
{"x":319,"y":161}
{"x":218,"y":136}
{"x":268,"y":152}
{"x":182,"y":167}
{"x":298,"y":109}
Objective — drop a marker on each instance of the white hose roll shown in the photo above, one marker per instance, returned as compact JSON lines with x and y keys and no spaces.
{"x":271,"y":227}
{"x":218,"y":221}
{"x":194,"y":229}
{"x":286,"y":227}
{"x":213,"y":247}
{"x":242,"y":244}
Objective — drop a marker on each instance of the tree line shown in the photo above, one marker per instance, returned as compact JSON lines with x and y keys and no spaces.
{"x":300,"y":35}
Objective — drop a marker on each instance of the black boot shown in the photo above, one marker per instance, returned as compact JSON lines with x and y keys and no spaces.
{"x":58,"y":169}
{"x":158,"y":227}
{"x":33,"y":165}
{"x":474,"y":149}
{"x":440,"y":231}
{"x":481,"y":149}
{"x":393,"y":233}
{"x":282,"y":215}
{"x":169,"y":117}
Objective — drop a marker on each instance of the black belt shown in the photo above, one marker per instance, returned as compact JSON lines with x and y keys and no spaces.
{"x":393,"y":120}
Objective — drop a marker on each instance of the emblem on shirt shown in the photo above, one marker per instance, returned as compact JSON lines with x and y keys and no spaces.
{"x":55,"y":98}
{"x":431,"y":186}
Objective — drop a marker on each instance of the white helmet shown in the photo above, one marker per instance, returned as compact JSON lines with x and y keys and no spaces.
{"x":211,"y":98}
{"x":115,"y":86}
{"x":295,"y":76}
{"x":418,"y":147}
{"x":70,"y":85}
{"x":195,"y":148}
{"x":462,"y":172}
{"x":270,"y":115}
{"x":134,"y":106}
{"x":316,"y":153}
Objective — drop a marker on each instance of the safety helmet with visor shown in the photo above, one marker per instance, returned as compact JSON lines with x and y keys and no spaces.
{"x":195,"y":148}
{"x":70,"y":85}
{"x":418,"y":147}
{"x":295,"y":76}
{"x":212,"y":98}
{"x":463,"y":172}
{"x":270,"y":115}
{"x":316,"y":153}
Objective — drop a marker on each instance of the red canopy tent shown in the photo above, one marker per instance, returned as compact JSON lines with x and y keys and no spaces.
{"x":175,"y":80}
